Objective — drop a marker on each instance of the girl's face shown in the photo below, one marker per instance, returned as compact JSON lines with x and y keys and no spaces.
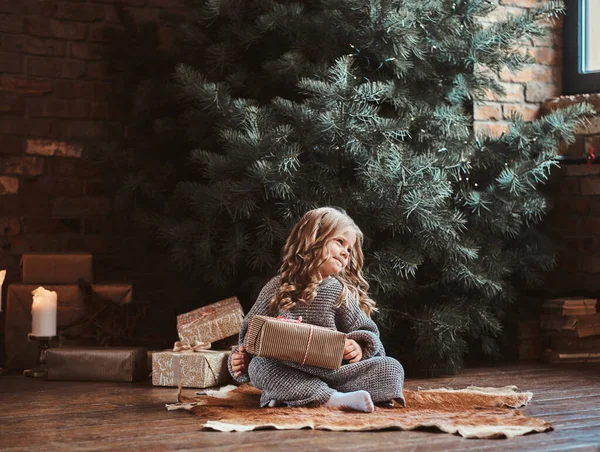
{"x":336,"y":253}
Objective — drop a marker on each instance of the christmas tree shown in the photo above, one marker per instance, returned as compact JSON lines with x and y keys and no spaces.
{"x":363,"y":105}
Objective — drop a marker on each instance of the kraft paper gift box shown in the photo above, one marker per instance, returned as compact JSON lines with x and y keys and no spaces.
{"x":20,"y":352}
{"x":56,"y":268}
{"x":97,"y":364}
{"x":296,"y":342}
{"x":211,"y":323}
{"x":201,"y":369}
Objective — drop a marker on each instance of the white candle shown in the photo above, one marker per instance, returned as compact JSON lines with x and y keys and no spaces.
{"x":43,"y":313}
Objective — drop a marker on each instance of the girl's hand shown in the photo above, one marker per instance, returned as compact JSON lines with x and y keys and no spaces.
{"x":352,"y":351}
{"x":239,"y":361}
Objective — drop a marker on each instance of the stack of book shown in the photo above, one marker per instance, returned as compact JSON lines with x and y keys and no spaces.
{"x":573,"y":328}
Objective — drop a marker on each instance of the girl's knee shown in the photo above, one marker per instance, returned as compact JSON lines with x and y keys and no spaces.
{"x":392,"y":368}
{"x":261,"y":370}
{"x":255,"y":370}
{"x":397,"y":366}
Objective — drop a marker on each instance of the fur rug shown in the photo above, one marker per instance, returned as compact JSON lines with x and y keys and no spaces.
{"x":472,"y":413}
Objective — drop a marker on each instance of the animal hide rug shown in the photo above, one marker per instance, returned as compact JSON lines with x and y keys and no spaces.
{"x":472,"y":412}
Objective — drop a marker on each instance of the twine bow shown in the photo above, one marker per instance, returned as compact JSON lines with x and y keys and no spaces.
{"x":285,"y":319}
{"x":310,"y":333}
{"x":181,"y":346}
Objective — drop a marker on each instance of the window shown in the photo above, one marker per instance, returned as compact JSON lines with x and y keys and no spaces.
{"x":581,"y":50}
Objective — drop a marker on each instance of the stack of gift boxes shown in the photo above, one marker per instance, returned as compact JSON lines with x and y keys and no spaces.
{"x":196,"y":361}
{"x":74,"y":354}
{"x":67,"y":274}
{"x":572,"y":327}
{"x":191,"y":364}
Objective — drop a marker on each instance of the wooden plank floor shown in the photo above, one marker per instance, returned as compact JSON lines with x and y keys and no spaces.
{"x":46,"y":415}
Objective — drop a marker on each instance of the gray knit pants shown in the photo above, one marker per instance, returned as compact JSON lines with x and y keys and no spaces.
{"x":296,"y":385}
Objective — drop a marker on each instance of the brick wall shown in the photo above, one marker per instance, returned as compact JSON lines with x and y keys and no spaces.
{"x":527,"y":90}
{"x":55,"y":90}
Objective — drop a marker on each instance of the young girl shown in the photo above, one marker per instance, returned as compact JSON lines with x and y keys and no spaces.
{"x":321,"y":281}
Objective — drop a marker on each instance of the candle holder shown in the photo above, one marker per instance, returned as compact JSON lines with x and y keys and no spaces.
{"x":43,"y":344}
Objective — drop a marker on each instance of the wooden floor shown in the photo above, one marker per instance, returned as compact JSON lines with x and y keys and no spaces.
{"x":42,"y":415}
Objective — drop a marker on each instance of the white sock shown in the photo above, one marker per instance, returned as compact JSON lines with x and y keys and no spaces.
{"x":274,"y":403}
{"x":357,"y":400}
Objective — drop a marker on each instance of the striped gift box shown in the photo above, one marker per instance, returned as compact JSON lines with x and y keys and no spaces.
{"x":301,"y":343}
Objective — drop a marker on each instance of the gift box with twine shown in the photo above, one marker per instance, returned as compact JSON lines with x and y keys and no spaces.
{"x":211,"y":323}
{"x":191,"y":369}
{"x":295,"y":341}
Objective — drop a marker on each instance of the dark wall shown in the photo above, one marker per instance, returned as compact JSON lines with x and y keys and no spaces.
{"x":56,"y":91}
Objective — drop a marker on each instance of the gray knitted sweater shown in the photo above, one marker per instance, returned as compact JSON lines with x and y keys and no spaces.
{"x":348,"y":317}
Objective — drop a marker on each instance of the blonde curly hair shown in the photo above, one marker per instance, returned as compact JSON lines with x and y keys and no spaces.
{"x":302,"y":256}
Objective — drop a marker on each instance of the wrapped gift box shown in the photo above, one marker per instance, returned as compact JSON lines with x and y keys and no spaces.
{"x":297,"y":342}
{"x":20,"y":353}
{"x":56,"y":268}
{"x":97,"y":364}
{"x":201,"y":369}
{"x":211,"y":323}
